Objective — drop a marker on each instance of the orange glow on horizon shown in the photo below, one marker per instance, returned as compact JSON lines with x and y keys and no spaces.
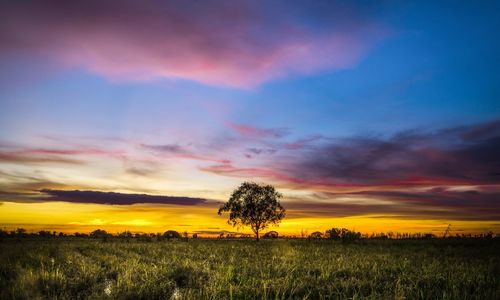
{"x":203,"y":219}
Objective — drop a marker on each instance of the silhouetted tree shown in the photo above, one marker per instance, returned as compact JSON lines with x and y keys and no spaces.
{"x":333,"y":234}
{"x":254,"y":205}
{"x":349,"y":235}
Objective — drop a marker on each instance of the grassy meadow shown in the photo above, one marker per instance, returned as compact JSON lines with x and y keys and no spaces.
{"x":83,"y":268}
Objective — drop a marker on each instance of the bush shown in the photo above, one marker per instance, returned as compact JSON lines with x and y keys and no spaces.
{"x":342,"y":234}
{"x":316,"y":235}
{"x":99,"y":234}
{"x":171,"y":234}
{"x":271,"y":235}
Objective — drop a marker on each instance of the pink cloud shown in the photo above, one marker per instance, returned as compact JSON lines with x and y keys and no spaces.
{"x":91,"y":151}
{"x":256,"y":132}
{"x":239,"y":44}
{"x":54,"y":155}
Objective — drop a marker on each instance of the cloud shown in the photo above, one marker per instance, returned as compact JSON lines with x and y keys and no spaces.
{"x":430,"y":203}
{"x":170,"y":148}
{"x":303,"y":142}
{"x":17,"y":157}
{"x":256,"y":132}
{"x":98,"y":197}
{"x":18,"y":183}
{"x":251,"y":152}
{"x":17,"y":154}
{"x":239,"y":44}
{"x":18,"y":196}
{"x":87,"y":151}
{"x":466,"y":155}
{"x":140,"y":171}
{"x":482,"y":131}
{"x":407,"y":158}
{"x":177,"y":151}
{"x":261,"y":150}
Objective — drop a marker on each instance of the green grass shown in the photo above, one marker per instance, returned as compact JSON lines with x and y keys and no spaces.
{"x":72,"y":268}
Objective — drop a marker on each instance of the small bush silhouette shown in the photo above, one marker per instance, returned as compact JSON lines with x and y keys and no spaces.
{"x":271,"y":235}
{"x":342,"y":234}
{"x":99,"y":234}
{"x":316,"y":235}
{"x":171,"y":234}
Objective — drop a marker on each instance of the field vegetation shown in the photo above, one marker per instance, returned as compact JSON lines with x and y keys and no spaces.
{"x":39,"y":267}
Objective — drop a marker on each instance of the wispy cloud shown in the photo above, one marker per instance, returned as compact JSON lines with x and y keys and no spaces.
{"x":177,"y":151}
{"x":256,"y":132}
{"x":16,"y":157}
{"x":21,"y":154}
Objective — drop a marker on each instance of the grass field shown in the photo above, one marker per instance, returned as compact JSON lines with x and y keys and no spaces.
{"x":77,"y":268}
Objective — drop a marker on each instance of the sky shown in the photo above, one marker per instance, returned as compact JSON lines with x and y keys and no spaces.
{"x":376,"y":116}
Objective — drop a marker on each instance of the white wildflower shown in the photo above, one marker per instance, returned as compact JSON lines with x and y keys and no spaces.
{"x":176,"y":294}
{"x":107,"y":288}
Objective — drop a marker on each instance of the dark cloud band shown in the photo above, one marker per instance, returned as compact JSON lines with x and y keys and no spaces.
{"x":97,"y":197}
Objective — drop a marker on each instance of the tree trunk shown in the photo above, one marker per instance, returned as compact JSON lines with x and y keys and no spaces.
{"x":257,"y":234}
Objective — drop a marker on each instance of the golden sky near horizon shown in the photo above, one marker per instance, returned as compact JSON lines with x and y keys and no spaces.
{"x":71,"y":217}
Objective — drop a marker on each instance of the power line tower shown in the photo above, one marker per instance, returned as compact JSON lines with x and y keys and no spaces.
{"x":447,"y":231}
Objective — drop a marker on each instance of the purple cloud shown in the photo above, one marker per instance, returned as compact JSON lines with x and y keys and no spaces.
{"x":466,"y":155}
{"x":480,"y":204}
{"x":98,"y":197}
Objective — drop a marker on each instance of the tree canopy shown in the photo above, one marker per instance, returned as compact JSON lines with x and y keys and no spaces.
{"x":254,"y":205}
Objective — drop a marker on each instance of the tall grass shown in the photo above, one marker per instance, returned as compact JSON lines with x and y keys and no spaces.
{"x":75,"y":268}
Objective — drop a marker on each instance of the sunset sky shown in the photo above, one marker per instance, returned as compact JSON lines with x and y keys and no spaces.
{"x":144,"y":116}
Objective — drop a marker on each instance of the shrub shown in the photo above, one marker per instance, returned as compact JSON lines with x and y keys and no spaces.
{"x":342,"y":234}
{"x":171,"y":234}
{"x":316,"y":235}
{"x":271,"y":235}
{"x":99,"y":233}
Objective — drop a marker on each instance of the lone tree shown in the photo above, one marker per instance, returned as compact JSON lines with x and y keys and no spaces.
{"x":254,"y":205}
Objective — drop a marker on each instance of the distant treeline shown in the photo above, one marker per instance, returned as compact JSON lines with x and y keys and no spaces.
{"x":337,"y":234}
